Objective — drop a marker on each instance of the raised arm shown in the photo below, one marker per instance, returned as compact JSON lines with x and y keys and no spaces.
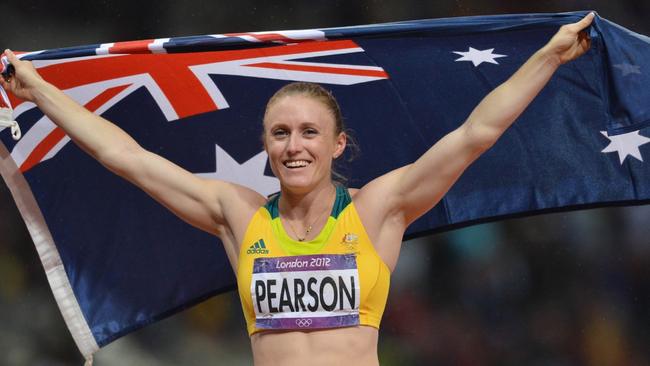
{"x":195,"y":200}
{"x":414,"y":189}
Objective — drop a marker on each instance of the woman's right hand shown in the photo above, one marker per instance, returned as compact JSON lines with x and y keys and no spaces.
{"x":24,"y":82}
{"x":571,"y":41}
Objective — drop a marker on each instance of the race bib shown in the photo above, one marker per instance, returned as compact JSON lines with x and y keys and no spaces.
{"x":306,"y":292}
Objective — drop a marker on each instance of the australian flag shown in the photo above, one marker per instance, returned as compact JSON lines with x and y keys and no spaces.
{"x":117,"y":260}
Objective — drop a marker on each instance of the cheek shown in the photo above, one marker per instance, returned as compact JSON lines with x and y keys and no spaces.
{"x":273,"y":159}
{"x":274,"y":151}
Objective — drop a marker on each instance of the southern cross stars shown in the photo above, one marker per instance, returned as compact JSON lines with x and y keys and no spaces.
{"x":249,"y":174}
{"x":477,"y":57}
{"x":625,"y":144}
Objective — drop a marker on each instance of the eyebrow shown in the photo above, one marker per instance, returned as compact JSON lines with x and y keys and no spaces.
{"x":301,"y":125}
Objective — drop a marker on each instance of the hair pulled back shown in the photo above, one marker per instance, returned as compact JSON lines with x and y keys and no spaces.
{"x":316,"y":92}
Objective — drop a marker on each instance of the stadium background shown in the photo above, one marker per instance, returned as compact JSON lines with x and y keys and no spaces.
{"x":560,"y":289}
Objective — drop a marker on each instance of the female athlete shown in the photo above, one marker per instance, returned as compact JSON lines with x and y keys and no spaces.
{"x":313,"y":263}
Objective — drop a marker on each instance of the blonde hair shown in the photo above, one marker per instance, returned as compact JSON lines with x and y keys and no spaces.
{"x":314,"y":91}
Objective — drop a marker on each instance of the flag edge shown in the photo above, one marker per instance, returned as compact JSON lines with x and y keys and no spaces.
{"x":48,"y":255}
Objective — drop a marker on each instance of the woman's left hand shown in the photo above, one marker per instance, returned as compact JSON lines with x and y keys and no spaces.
{"x":571,"y":41}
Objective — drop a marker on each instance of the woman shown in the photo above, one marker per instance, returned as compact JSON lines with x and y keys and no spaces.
{"x":313,"y":286}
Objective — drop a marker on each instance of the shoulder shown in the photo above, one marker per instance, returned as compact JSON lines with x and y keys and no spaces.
{"x":379,"y":196}
{"x":238,"y":204}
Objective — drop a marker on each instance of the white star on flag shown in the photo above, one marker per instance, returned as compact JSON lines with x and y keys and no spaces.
{"x":627,"y":69}
{"x":625,"y":144}
{"x":249,"y":174}
{"x":477,"y":57}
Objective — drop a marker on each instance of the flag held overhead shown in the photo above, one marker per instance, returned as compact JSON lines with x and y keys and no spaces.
{"x":117,"y":265}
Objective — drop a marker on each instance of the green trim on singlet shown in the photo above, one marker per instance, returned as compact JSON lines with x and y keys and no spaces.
{"x":294,"y":247}
{"x":342,"y":201}
{"x":272,"y":206}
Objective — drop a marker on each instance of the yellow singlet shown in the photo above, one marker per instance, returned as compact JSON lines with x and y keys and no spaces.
{"x":335,"y":280}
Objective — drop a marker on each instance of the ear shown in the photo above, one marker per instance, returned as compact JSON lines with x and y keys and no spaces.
{"x":341,"y":141}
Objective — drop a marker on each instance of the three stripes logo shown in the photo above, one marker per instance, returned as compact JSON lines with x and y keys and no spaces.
{"x":258,"y":248}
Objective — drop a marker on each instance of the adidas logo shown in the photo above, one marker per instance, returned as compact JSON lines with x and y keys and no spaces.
{"x":258,"y":248}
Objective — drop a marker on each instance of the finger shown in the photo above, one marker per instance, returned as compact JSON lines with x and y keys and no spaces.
{"x":11,"y":56}
{"x":586,"y":43}
{"x":583,"y":23}
{"x":6,"y":84}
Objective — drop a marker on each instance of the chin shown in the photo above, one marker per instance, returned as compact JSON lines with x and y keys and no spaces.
{"x":297,"y":182}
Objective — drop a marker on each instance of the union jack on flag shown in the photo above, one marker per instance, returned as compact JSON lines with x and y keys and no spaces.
{"x":179,"y":83}
{"x":118,"y":264}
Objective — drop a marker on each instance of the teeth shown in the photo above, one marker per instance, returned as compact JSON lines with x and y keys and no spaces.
{"x":296,"y":163}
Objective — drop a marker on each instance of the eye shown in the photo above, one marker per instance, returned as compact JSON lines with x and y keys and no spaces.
{"x":310,"y":132}
{"x":279,"y":133}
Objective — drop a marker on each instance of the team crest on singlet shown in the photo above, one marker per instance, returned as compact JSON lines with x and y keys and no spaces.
{"x":306,"y":292}
{"x":350,"y":241}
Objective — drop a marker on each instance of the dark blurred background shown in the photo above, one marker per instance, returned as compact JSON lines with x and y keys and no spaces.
{"x":560,"y":289}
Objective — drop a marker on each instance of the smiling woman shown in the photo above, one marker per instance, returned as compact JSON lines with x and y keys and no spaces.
{"x":326,"y":309}
{"x":302,"y":137}
{"x":317,"y":93}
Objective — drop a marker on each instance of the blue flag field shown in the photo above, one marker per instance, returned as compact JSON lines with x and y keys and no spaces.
{"x":117,"y":260}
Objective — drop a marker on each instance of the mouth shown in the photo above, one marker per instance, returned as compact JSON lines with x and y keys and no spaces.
{"x":295,"y":164}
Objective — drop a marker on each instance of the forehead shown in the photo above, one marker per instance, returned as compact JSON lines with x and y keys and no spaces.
{"x":298,"y":109}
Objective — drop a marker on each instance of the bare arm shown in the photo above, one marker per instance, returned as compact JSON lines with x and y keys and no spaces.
{"x":414,"y":189}
{"x":195,"y":200}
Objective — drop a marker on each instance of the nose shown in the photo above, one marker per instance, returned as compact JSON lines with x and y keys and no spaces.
{"x":294,"y":144}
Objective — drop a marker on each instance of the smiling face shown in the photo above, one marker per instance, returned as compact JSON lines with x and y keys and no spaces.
{"x":301,"y":140}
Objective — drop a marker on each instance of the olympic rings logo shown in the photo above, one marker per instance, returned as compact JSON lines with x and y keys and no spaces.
{"x":303,"y":323}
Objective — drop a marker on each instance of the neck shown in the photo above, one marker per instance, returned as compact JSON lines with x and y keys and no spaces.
{"x":298,"y":206}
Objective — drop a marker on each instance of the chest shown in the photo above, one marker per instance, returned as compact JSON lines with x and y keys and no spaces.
{"x":285,"y":284}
